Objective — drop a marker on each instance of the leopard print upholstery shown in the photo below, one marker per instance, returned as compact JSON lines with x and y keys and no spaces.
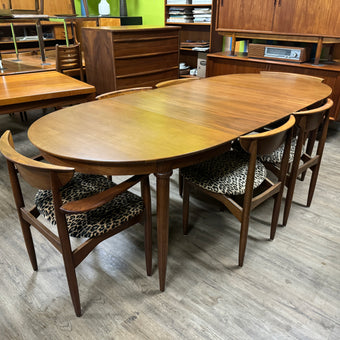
{"x":95,"y":222}
{"x":276,"y":156}
{"x":225,"y":174}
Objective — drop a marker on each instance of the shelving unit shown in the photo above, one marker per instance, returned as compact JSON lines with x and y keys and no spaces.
{"x":26,"y":36}
{"x":191,"y":31}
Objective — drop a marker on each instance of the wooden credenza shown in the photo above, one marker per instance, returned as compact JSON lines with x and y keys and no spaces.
{"x":130,"y":56}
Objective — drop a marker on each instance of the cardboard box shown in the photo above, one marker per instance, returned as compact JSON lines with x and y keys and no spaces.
{"x":201,"y":64}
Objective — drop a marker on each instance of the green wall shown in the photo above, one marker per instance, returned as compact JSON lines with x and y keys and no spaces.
{"x":152,"y":11}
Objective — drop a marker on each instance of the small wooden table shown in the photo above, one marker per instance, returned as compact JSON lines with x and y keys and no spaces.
{"x":20,"y":92}
{"x":159,"y":130}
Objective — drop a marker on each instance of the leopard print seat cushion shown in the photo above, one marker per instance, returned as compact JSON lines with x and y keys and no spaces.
{"x":276,"y":156}
{"x":97,"y":221}
{"x":225,"y":174}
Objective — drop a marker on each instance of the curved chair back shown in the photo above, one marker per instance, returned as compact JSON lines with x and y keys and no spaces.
{"x":310,"y":120}
{"x":174,"y":82}
{"x":122,"y":92}
{"x":37,"y":174}
{"x":293,"y":75}
{"x":268,"y":141}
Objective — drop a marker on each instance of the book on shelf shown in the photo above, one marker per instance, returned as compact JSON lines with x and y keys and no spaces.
{"x":180,"y":14}
{"x":178,"y":2}
{"x":201,"y":2}
{"x":202,"y":14}
{"x":241,"y":46}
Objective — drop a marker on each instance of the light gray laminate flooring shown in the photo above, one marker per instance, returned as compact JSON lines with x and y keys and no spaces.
{"x":287,"y":289}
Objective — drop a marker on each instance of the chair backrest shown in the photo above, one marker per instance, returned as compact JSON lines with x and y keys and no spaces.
{"x":37,"y":174}
{"x":122,"y":92}
{"x":310,"y":120}
{"x":268,"y":141}
{"x":68,"y":58}
{"x":174,"y":82}
{"x":293,"y":75}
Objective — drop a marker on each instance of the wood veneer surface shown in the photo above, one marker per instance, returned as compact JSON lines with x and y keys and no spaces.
{"x":173,"y":123}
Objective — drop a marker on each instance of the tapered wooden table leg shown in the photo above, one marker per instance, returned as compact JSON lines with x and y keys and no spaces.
{"x":162,"y":224}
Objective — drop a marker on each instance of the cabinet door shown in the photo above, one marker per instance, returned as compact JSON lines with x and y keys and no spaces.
{"x":318,"y":17}
{"x":220,"y":66}
{"x":255,"y":15}
{"x":53,"y":7}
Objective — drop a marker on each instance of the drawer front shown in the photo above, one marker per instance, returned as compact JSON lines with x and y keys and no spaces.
{"x":146,"y":79}
{"x":145,"y":46}
{"x":146,"y":64}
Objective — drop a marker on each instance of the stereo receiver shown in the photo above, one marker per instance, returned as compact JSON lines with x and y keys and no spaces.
{"x":294,"y":54}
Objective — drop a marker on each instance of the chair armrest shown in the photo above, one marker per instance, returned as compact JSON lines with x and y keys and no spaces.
{"x":97,"y":200}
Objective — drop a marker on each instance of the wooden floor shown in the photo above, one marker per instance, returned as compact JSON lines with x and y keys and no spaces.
{"x":287,"y":289}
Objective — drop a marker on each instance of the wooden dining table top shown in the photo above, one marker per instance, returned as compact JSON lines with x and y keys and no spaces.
{"x":38,"y":89}
{"x":37,"y":85}
{"x":158,"y":130}
{"x":170,"y":124}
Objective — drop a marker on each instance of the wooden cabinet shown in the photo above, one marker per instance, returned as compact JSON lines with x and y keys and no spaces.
{"x":317,"y":17}
{"x":303,"y":17}
{"x":195,"y":31}
{"x":221,"y":63}
{"x":245,"y":14}
{"x":130,"y":56}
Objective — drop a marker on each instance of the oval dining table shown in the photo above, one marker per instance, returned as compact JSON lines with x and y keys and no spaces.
{"x":166,"y":128}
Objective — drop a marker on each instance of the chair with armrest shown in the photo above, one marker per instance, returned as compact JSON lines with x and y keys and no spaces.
{"x":310,"y":128}
{"x":174,"y":82}
{"x":69,"y":58}
{"x":239,"y":175}
{"x":122,"y":92}
{"x":81,"y":206}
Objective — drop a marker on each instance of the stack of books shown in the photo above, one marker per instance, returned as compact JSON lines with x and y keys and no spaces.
{"x":196,"y":45}
{"x":202,"y":14}
{"x":200,"y":2}
{"x":180,"y":14}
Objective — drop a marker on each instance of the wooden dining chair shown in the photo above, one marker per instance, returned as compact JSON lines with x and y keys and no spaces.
{"x":122,"y":92}
{"x":311,"y":132}
{"x":82,"y":206}
{"x":69,"y":58}
{"x":293,"y":75}
{"x":174,"y":82}
{"x":236,"y":174}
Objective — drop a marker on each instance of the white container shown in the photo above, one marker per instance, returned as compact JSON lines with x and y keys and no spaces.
{"x":104,"y":7}
{"x":201,"y":64}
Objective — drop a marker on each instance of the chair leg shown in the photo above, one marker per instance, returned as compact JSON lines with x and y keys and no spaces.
{"x":243,"y":239}
{"x":26,"y":230}
{"x":147,"y":225}
{"x":185,"y":196}
{"x":72,"y":284}
{"x":314,"y":178}
{"x":180,"y":184}
{"x":289,"y":199}
{"x":276,"y":213}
